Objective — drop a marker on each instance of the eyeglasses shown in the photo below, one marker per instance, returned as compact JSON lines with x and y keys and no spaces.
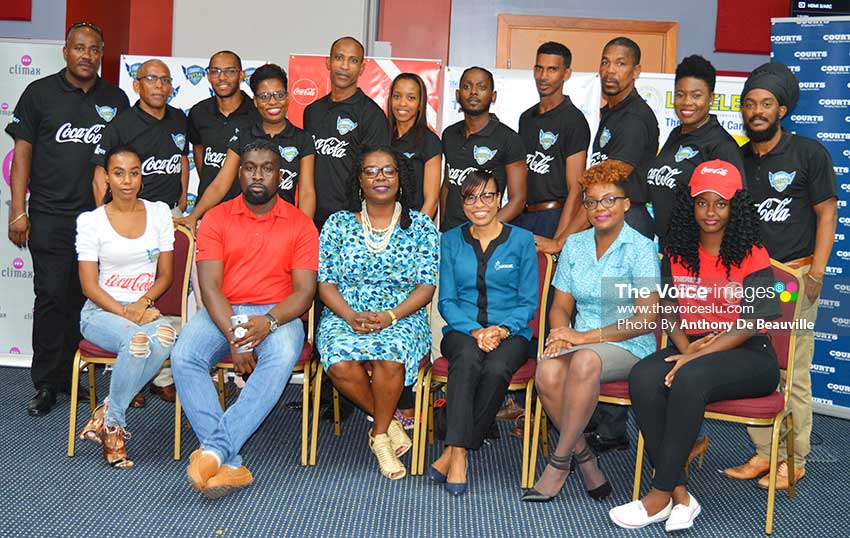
{"x":227,"y":71}
{"x":607,"y":202}
{"x":487,"y":198}
{"x":267,"y":96}
{"x":151,"y":79}
{"x":372,"y":172}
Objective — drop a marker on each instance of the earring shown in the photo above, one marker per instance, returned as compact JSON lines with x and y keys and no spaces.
{"x":398,"y":194}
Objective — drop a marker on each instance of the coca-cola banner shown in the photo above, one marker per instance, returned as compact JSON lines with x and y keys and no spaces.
{"x":21,"y":62}
{"x":817,"y":50}
{"x":309,"y":80}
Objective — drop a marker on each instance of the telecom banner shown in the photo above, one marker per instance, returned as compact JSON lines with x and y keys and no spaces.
{"x":817,"y":50}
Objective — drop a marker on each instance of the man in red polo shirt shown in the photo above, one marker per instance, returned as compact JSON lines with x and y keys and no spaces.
{"x":257,"y":255}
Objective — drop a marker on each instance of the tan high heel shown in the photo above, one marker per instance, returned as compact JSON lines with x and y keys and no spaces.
{"x":91,"y":431}
{"x":114,"y":451}
{"x":399,"y":439}
{"x":391,"y":466}
{"x":697,"y":453}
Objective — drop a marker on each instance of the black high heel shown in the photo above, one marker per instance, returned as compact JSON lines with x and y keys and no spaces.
{"x":562,"y":463}
{"x":598,"y":493}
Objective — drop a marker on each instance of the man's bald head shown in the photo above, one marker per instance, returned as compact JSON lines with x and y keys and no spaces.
{"x":148,"y":65}
{"x":349,"y":39}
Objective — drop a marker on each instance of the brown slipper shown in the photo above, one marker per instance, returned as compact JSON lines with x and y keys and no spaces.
{"x":139,"y":400}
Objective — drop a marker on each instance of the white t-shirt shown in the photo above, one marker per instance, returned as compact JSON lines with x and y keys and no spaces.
{"x":127,"y":266}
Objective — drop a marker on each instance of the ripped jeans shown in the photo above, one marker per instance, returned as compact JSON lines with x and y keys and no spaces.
{"x":141,"y":351}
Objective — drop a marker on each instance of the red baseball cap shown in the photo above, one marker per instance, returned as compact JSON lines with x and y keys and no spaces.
{"x":719,"y":177}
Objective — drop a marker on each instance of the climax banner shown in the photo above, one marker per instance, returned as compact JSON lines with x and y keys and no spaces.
{"x":309,"y":80}
{"x":817,"y":50}
{"x":21,"y":63}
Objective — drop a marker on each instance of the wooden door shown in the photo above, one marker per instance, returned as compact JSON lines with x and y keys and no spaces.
{"x":520,"y":35}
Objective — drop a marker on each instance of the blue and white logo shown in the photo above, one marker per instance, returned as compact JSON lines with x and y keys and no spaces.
{"x":193,"y":73}
{"x":288,"y":153}
{"x":173,"y":94}
{"x":345,"y":125}
{"x":605,"y":137}
{"x":780,"y":180}
{"x":547,"y":139}
{"x":132,"y":69}
{"x":179,"y":140}
{"x":685,"y":152}
{"x":106,"y":112}
{"x":409,"y":155}
{"x":482,"y":154}
{"x":248,"y":73}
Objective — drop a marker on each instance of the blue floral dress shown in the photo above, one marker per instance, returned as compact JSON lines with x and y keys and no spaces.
{"x":374,"y":282}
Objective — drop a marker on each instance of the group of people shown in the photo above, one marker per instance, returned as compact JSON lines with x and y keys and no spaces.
{"x":343,"y":213}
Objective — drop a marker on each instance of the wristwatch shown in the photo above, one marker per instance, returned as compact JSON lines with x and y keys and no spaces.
{"x":507,"y":332}
{"x":272,"y":323}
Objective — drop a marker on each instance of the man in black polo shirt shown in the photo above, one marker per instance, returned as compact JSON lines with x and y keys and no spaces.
{"x":556,"y":137}
{"x":480,"y":141}
{"x":628,"y":129}
{"x":793,"y":184}
{"x":56,"y":125}
{"x":341,"y":123}
{"x":212,"y":121}
{"x":157,"y":132}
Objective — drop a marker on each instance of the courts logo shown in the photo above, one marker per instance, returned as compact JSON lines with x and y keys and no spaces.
{"x":834,"y":103}
{"x":106,"y":112}
{"x":822,"y":369}
{"x":839,"y":389}
{"x":835,"y":69}
{"x":833,"y":137}
{"x":841,"y":322}
{"x":547,"y":139}
{"x":194,"y":74}
{"x":834,"y":270}
{"x":846,"y":152}
{"x":841,"y":170}
{"x":345,"y":125}
{"x":812,"y":86}
{"x":785,"y":39}
{"x":823,"y":401}
{"x":780,"y":180}
{"x":132,"y":69}
{"x":304,"y":91}
{"x":811,"y":54}
{"x":787,"y":291}
{"x":837,"y":38}
{"x":825,"y":337}
{"x":25,"y":68}
{"x":809,"y":119}
{"x":17,"y":270}
{"x":840,"y":355}
{"x":829,"y":303}
{"x":792,"y":68}
{"x":482,"y":154}
{"x":288,"y":153}
{"x":843,"y":254}
{"x":685,"y":152}
{"x":838,"y":236}
{"x":605,"y":137}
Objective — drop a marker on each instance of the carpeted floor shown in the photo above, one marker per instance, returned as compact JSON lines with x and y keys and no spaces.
{"x":46,"y":494}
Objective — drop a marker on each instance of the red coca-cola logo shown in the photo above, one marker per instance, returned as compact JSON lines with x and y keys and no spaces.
{"x":141,"y":282}
{"x":304,"y":91}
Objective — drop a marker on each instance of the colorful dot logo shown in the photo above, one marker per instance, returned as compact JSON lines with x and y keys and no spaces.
{"x":26,"y":60}
{"x":14,"y":351}
{"x":4,"y":106}
{"x":787,"y":291}
{"x":18,"y":263}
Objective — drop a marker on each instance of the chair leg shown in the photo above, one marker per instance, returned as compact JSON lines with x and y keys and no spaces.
{"x":427,"y":419}
{"x":789,"y":443}
{"x":526,"y":441}
{"x":771,"y":488}
{"x":222,"y":374}
{"x":535,"y":439}
{"x":92,"y":386}
{"x":305,"y":413}
{"x":337,"y":429}
{"x":638,"y":468}
{"x":178,"y":427}
{"x":75,"y":383}
{"x":417,"y":409}
{"x":544,"y":424}
{"x":317,"y":394}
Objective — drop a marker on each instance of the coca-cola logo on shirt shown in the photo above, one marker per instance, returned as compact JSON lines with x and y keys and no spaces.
{"x":458,"y":175}
{"x":539,"y":162}
{"x":333,"y":147}
{"x":152,"y":165}
{"x":213,"y":158}
{"x":287,"y":179}
{"x":774,"y":209}
{"x":79,"y":135}
{"x":141,"y":282}
{"x":664,"y":176}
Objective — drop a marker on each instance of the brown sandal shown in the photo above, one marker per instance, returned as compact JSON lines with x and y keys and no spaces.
{"x":91,"y":431}
{"x":113,"y":447}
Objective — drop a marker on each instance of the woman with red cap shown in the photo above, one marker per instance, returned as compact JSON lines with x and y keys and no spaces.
{"x":720,"y":284}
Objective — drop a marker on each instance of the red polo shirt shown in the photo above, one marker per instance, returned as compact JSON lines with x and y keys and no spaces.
{"x":259,"y":252}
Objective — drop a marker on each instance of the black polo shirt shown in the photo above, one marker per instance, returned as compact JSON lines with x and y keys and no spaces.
{"x":549,"y":139}
{"x":339,"y":130}
{"x":785,"y":184}
{"x":491,"y":149}
{"x":159,"y":143}
{"x":676,"y":162}
{"x":64,"y":124}
{"x":629,"y":133}
{"x":417,"y":154}
{"x":210,"y":129}
{"x":292,"y":143}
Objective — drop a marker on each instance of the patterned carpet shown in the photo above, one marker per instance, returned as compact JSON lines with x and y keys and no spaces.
{"x":46,"y":494}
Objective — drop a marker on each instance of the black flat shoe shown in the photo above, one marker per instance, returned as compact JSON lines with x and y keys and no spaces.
{"x":598,"y":493}
{"x":564,"y":463}
{"x":42,"y":402}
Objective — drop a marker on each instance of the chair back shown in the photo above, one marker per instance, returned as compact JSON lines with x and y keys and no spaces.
{"x":544,"y":279}
{"x":174,"y":301}
{"x":785,"y":340}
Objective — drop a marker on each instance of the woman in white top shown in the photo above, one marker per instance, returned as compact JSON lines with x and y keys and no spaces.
{"x":125,"y":251}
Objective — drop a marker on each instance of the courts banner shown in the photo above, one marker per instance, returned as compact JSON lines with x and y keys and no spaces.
{"x":817,"y":50}
{"x":309,"y":80}
{"x":21,"y":63}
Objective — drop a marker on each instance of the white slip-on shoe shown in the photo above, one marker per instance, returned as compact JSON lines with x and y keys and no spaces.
{"x":633,"y":515}
{"x":682,"y":516}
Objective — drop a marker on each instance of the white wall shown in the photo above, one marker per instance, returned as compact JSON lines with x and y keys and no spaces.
{"x":473,"y":33}
{"x":272,"y":29}
{"x":48,"y":22}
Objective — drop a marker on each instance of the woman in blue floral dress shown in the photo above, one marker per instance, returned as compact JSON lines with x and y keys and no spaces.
{"x":378,"y":268}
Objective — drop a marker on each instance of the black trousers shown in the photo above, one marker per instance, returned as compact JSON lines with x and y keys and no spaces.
{"x":58,"y":299}
{"x":477,"y":384}
{"x":670,"y":418}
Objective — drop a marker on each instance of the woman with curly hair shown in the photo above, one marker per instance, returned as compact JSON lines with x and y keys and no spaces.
{"x":723,"y":282}
{"x":605,"y":341}
{"x":377,"y":270}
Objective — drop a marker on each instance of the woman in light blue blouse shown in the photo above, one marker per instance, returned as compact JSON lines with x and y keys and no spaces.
{"x":599,"y":274}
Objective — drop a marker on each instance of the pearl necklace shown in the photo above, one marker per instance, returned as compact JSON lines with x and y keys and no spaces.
{"x":376,"y":239}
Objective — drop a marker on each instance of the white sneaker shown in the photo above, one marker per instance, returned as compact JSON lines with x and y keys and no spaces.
{"x":683,"y":516}
{"x":633,"y":515}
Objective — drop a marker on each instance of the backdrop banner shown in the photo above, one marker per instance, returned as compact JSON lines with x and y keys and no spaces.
{"x":817,"y":50}
{"x":21,"y":62}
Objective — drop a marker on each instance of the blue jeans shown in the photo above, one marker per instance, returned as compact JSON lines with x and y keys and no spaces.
{"x":131,"y":371}
{"x":202,"y":345}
